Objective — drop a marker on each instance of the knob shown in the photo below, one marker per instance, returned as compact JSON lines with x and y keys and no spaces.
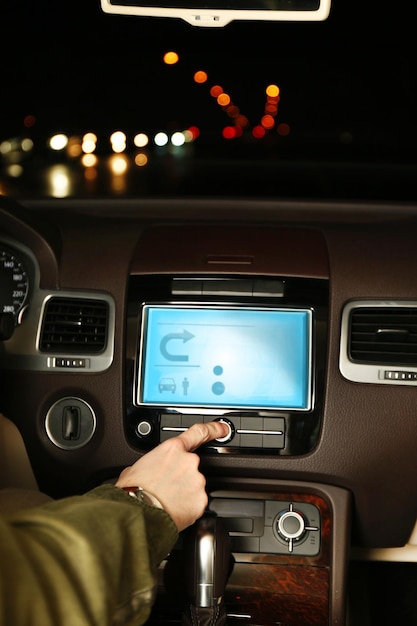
{"x":290,"y":526}
{"x":231,"y":432}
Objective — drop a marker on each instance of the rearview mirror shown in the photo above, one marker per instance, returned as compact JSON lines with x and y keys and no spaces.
{"x":209,"y":13}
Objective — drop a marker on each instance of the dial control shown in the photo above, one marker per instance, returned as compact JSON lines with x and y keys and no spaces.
{"x":292,"y":527}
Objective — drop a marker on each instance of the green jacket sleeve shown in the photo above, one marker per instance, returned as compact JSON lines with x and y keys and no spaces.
{"x":88,"y":560}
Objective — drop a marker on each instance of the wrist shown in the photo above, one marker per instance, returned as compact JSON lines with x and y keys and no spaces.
{"x":143,"y":496}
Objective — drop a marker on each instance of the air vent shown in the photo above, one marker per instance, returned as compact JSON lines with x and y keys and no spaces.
{"x":385,"y":335}
{"x":74,"y":326}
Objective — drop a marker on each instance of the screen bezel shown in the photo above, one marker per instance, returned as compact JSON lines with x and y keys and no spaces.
{"x":226,"y":408}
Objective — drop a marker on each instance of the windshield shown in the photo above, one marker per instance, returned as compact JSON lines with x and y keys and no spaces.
{"x":104,"y":105}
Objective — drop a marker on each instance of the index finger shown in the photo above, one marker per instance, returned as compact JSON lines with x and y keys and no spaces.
{"x":198,"y":434}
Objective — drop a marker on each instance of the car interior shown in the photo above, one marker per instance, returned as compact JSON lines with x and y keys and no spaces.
{"x":166,"y":258}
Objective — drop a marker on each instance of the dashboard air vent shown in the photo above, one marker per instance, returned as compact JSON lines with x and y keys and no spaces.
{"x":74,"y":325}
{"x":386,"y":335}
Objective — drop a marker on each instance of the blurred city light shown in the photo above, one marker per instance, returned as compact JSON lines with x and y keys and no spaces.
{"x":195,"y":132}
{"x":170,"y":58}
{"x":74,"y":149}
{"x":178,"y":139}
{"x":58,"y":142}
{"x":161,"y":139}
{"x":15,"y":170}
{"x":215,"y":91}
{"x":272,"y":91}
{"x":258,"y":132}
{"x":89,"y":143}
{"x":141,"y":140}
{"x":89,"y":160}
{"x":59,"y":181}
{"x":118,"y":141}
{"x":118,"y":164}
{"x":200,"y":77}
{"x":141,"y":159}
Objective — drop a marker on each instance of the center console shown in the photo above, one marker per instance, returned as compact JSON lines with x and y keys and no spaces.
{"x":250,"y":350}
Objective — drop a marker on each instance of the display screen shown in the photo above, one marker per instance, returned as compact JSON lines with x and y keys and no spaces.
{"x":225,"y":357}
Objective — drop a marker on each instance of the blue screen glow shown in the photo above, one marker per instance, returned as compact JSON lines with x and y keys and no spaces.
{"x":223,"y":357}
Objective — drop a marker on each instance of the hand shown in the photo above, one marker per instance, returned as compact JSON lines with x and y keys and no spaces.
{"x":170,"y":472}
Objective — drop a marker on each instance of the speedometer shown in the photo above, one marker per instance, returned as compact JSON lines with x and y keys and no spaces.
{"x":14,"y":283}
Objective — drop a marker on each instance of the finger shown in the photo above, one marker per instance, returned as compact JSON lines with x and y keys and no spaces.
{"x":198,"y":434}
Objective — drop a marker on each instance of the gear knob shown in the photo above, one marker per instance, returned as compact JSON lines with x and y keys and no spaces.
{"x":209,"y":560}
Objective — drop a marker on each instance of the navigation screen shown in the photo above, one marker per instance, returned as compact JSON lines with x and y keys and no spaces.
{"x":220,"y":357}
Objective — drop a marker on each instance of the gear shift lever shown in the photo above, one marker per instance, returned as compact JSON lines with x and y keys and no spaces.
{"x":208,"y":566}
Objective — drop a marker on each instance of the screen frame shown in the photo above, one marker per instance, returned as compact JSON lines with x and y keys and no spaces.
{"x":221,"y":409}
{"x":200,"y":16}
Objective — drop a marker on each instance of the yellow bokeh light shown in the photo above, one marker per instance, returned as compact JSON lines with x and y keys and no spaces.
{"x":58,"y":142}
{"x":90,"y":137}
{"x":272,"y":91}
{"x":170,"y":58}
{"x":141,"y":140}
{"x":118,"y":164}
{"x":89,"y":160}
{"x":200,"y":77}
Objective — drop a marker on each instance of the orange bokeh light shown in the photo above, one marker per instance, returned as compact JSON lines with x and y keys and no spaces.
{"x":223,"y":99}
{"x":268,"y":121}
{"x":200,"y":77}
{"x":216,"y":90}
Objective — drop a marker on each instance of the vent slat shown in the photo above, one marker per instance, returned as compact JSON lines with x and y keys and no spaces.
{"x":74,"y":325}
{"x":385,"y":335}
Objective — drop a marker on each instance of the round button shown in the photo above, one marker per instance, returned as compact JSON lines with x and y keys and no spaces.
{"x":291,"y":525}
{"x":230,"y":434}
{"x":144,"y":428}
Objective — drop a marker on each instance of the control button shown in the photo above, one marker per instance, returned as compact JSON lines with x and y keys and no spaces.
{"x":291,"y":525}
{"x":144,"y":428}
{"x":229,"y":435}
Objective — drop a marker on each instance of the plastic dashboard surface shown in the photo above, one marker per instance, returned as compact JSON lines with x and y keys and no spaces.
{"x":365,"y":435}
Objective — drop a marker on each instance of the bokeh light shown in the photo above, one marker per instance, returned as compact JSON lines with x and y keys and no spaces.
{"x":200,"y":77}
{"x":170,"y":58}
{"x":58,"y":142}
{"x":161,"y":139}
{"x":272,"y":91}
{"x":141,"y":159}
{"x":141,"y":140}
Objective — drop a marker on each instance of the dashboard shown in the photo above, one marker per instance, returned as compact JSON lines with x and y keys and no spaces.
{"x":124,"y":322}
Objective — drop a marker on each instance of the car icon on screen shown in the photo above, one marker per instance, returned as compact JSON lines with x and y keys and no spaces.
{"x":167,"y":384}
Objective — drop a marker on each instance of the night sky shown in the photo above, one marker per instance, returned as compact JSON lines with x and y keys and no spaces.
{"x":76,"y":69}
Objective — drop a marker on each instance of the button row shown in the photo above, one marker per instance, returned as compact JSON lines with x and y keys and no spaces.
{"x":250,"y":432}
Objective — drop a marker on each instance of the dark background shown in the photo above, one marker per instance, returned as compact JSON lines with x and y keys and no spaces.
{"x":348,"y":85}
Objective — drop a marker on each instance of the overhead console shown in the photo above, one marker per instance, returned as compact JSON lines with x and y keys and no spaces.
{"x":247,"y":350}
